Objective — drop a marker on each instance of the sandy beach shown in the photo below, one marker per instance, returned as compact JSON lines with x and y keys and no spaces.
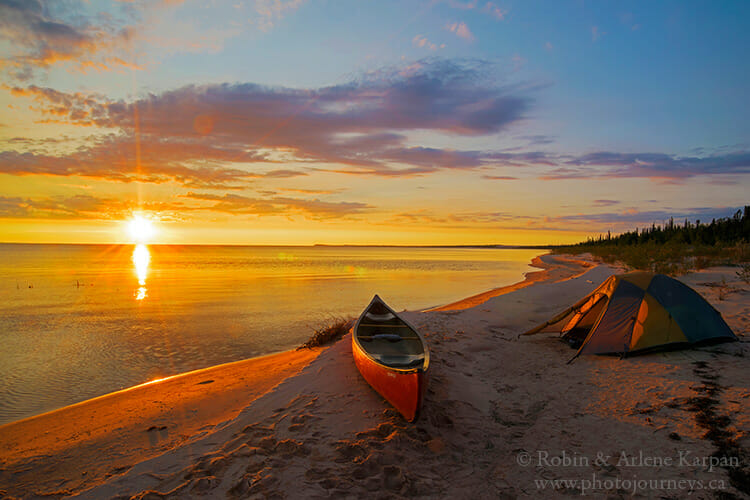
{"x":504,"y":417}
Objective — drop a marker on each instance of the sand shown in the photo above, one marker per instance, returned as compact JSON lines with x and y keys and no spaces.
{"x":77,"y":447}
{"x":504,"y":417}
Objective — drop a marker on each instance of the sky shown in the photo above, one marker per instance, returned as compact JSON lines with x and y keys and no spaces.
{"x":297,"y":122}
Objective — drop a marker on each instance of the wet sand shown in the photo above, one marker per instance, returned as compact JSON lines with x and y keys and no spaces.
{"x":76,"y":447}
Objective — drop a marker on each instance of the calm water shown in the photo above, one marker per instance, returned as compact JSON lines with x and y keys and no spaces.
{"x":79,"y":321}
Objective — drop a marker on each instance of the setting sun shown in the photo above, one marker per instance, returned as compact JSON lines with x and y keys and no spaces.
{"x":141,"y":229}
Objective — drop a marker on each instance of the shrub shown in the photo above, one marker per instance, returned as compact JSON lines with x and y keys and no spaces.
{"x":744,"y":273}
{"x":329,"y":333}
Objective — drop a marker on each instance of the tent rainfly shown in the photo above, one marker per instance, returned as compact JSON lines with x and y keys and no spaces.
{"x":638,"y":312}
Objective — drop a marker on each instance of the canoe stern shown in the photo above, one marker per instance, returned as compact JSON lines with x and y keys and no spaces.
{"x":404,"y":389}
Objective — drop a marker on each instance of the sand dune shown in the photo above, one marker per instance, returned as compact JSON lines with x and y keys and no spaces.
{"x":504,"y":418}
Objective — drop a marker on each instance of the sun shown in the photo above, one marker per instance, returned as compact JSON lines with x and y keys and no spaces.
{"x":141,"y":229}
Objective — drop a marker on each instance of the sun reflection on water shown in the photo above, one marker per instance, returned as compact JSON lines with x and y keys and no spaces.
{"x":141,"y":259}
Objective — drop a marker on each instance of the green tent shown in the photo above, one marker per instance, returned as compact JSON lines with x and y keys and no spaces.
{"x":638,"y":312}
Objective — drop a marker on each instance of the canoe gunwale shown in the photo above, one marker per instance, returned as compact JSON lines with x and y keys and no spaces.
{"x":425,"y":364}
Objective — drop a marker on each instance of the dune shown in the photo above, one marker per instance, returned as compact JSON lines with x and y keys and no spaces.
{"x":504,"y":417}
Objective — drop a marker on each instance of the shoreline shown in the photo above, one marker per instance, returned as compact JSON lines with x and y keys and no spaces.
{"x":148,"y":419}
{"x":316,"y":426}
{"x":553,"y":267}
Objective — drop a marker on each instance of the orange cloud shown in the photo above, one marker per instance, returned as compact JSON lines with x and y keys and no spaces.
{"x":279,"y":205}
{"x":461,"y":30}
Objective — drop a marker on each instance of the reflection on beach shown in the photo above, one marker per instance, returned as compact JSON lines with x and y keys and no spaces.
{"x":141,"y":259}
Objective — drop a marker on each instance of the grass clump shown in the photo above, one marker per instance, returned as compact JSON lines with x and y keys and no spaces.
{"x":330,"y":332}
{"x":744,"y":273}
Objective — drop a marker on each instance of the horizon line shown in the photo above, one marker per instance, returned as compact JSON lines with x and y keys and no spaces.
{"x":312,"y":245}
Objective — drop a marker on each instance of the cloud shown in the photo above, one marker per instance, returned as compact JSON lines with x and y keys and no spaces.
{"x":614,"y":165}
{"x":39,"y":35}
{"x":452,"y":220}
{"x":461,"y":30}
{"x":422,"y":42}
{"x":486,"y":7}
{"x":596,"y":34}
{"x":630,"y":218}
{"x":228,"y":135}
{"x":499,"y":177}
{"x":280,"y":205}
{"x":61,"y":207}
{"x":538,"y":140}
{"x":653,"y":165}
{"x":124,"y":159}
{"x":84,"y":206}
{"x":494,"y":11}
{"x":361,"y":125}
{"x":605,"y":203}
{"x":270,"y":12}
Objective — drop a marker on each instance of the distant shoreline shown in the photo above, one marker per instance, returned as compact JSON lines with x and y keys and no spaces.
{"x":315,"y":245}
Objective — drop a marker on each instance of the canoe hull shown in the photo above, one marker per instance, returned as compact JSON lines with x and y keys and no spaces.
{"x":403,"y":389}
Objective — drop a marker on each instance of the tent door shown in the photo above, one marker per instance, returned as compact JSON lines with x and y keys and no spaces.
{"x":576,"y":334}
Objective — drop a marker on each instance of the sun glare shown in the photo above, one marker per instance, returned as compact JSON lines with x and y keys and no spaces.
{"x":141,"y":229}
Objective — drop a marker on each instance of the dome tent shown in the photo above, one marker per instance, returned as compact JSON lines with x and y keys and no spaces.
{"x":638,"y":312}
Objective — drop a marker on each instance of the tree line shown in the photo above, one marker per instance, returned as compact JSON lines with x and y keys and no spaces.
{"x":724,"y":231}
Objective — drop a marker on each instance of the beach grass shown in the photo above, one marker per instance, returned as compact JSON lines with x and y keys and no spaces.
{"x":335,"y":328}
{"x":669,"y":258}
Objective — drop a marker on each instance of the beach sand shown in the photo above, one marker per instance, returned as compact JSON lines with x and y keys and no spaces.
{"x":504,"y":417}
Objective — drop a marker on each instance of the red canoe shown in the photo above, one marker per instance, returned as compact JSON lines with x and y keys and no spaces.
{"x":392,"y":357}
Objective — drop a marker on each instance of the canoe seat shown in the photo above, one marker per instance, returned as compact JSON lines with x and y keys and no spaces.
{"x":391,"y":337}
{"x":379,"y":318}
{"x":401,"y":360}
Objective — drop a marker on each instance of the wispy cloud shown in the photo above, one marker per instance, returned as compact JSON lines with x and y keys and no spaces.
{"x":596,"y":33}
{"x":518,"y":62}
{"x":85,"y":206}
{"x":270,"y":12}
{"x":457,"y":4}
{"x":38,"y":36}
{"x":629,"y":218}
{"x":613,"y":165}
{"x":495,"y":11}
{"x":605,"y":203}
{"x":653,"y":165}
{"x":280,"y":205}
{"x":490,"y":8}
{"x":79,"y":206}
{"x":461,"y":30}
{"x":422,"y":42}
{"x":499,"y":177}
